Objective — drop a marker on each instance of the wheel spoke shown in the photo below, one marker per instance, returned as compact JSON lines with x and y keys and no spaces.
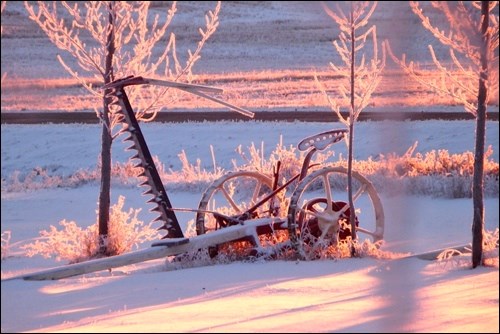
{"x":359,"y":192}
{"x":328,"y":193}
{"x":230,"y":199}
{"x":342,"y":210}
{"x":360,"y":229}
{"x":310,"y":211}
{"x":256,"y":192}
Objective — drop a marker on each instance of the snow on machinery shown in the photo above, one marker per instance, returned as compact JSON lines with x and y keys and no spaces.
{"x":244,"y":210}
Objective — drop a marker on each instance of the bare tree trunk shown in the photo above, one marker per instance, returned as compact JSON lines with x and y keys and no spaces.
{"x":106,"y":141}
{"x":352,"y":216}
{"x":477,"y":186}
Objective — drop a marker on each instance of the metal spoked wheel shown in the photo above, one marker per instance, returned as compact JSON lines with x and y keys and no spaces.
{"x":231,"y":196}
{"x":318,"y":214}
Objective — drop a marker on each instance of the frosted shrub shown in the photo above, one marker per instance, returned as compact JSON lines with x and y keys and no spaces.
{"x":490,"y":249}
{"x":191,"y":176}
{"x":126,"y":231}
{"x":291,"y":159}
{"x":75,"y":244}
{"x":456,"y":259}
{"x":436,"y":173}
{"x":365,"y":248}
{"x":41,"y":178}
{"x":70,"y":243}
{"x":343,"y":249}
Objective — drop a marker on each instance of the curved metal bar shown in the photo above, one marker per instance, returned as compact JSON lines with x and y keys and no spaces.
{"x":189,"y":88}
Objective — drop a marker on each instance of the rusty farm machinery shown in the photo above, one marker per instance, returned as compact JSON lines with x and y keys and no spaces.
{"x":244,"y":210}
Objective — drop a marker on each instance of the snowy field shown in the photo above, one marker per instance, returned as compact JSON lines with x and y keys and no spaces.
{"x":343,"y":295}
{"x":385,"y":295}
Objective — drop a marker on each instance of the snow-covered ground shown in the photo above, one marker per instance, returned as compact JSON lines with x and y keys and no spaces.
{"x":344,"y":295}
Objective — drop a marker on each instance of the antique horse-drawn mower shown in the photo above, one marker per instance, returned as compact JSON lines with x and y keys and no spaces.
{"x":245,"y":210}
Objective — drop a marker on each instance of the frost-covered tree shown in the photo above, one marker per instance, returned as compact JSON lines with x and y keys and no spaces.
{"x":360,"y":74}
{"x":470,"y":78}
{"x":113,"y":39}
{"x":4,"y":3}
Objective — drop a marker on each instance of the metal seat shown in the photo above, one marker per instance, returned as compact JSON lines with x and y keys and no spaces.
{"x":322,"y":140}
